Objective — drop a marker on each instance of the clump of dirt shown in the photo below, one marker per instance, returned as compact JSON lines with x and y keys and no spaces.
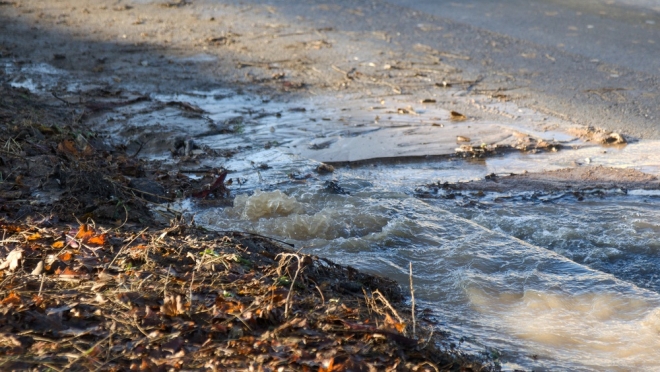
{"x":563,"y":180}
{"x":600,"y":136}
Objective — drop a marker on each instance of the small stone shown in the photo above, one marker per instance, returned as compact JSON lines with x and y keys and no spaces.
{"x":325,"y":168}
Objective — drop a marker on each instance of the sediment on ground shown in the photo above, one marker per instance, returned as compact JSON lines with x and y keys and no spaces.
{"x":568,"y":180}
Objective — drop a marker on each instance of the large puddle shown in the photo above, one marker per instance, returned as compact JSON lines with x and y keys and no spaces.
{"x":548,"y":284}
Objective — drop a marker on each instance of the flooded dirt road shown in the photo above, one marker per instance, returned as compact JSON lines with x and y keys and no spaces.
{"x":551,"y":276}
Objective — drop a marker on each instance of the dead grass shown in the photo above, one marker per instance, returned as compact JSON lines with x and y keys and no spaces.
{"x":99,"y":299}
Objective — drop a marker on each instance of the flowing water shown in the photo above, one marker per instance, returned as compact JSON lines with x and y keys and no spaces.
{"x":561,"y":284}
{"x":544,"y":283}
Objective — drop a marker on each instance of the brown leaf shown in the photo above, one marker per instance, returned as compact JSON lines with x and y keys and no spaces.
{"x":10,"y":228}
{"x":34,"y":236}
{"x":66,"y":256}
{"x":391,"y":323}
{"x":12,"y":298}
{"x":68,"y":147}
{"x":97,"y":240}
{"x":172,"y":306}
{"x":88,"y":235}
{"x":454,"y":115}
{"x":85,"y":232}
{"x":69,"y":273}
{"x":227,"y":307}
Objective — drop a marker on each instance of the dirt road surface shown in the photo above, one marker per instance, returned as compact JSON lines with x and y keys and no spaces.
{"x":376,"y":48}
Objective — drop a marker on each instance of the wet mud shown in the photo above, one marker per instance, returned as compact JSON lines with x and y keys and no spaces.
{"x":571,"y":180}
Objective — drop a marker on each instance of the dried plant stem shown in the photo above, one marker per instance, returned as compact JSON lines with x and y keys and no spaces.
{"x":285,"y":259}
{"x":41,"y":286}
{"x":379,"y":296}
{"x":412,"y":300}
{"x":192,"y":280}
{"x":167,"y":279}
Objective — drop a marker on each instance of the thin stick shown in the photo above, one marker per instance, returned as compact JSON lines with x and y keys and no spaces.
{"x":288,"y":296}
{"x":412,"y":296}
{"x":192,"y":280}
{"x":321,"y":293}
{"x":41,"y":286}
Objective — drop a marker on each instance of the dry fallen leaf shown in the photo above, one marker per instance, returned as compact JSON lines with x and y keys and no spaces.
{"x":65,"y":256}
{"x":457,"y":116}
{"x":85,"y":232}
{"x":34,"y":236}
{"x":97,"y":240}
{"x":391,"y":323}
{"x":12,"y":298}
{"x":13,"y":260}
{"x":39,"y":269}
{"x":68,"y":147}
{"x":172,"y":306}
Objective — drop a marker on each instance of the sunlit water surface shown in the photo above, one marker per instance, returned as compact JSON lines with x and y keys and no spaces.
{"x":555,"y":285}
{"x":558,"y":284}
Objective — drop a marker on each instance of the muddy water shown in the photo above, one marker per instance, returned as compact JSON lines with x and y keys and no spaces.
{"x":562,"y":281}
{"x":558,"y":284}
{"x":544,"y":283}
{"x":554,"y":284}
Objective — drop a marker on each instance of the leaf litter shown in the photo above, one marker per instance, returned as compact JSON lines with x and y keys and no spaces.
{"x":182,"y":297}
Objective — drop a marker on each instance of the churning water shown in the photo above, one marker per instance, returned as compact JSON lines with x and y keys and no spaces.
{"x":546,"y":283}
{"x":559,"y":284}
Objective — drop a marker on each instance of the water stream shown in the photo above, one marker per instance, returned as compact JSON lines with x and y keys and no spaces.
{"x":547,"y":283}
{"x":562,"y":284}
{"x":559,"y":284}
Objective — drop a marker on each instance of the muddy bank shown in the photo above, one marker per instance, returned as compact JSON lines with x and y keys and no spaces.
{"x":563,"y":180}
{"x":96,"y":298}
